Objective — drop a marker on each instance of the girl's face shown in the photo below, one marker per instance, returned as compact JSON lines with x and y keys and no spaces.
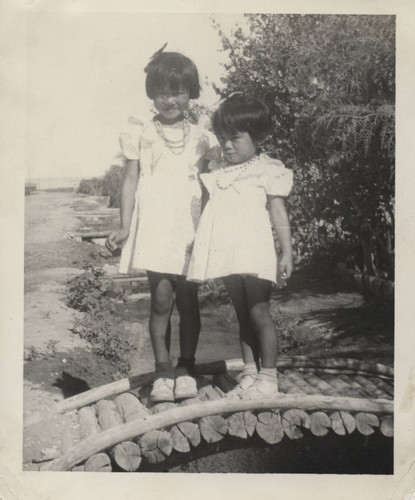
{"x":237,"y":148}
{"x":172,"y":103}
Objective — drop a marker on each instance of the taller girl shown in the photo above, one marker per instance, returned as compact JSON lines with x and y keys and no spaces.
{"x":160,"y":210}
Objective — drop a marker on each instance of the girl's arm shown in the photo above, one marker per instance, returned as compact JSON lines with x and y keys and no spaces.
{"x":128,"y":189}
{"x":127,"y":195}
{"x":205,"y":193}
{"x":281,"y":223}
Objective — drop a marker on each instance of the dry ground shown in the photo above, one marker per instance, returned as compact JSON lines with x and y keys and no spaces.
{"x":315,"y":317}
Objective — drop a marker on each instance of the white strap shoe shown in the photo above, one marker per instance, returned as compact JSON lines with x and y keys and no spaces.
{"x":185,"y":387}
{"x":162,"y":390}
{"x":245,"y":382}
{"x":261,"y":389}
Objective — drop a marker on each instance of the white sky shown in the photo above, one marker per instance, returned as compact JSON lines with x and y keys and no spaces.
{"x":85,"y":78}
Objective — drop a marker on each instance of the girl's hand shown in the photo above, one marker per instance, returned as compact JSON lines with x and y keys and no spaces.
{"x":116,"y":239}
{"x":285,"y":266}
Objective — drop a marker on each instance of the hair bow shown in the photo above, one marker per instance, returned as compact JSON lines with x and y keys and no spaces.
{"x":220,"y":101}
{"x":154,"y":57}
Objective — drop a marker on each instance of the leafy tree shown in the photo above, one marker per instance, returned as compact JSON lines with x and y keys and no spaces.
{"x":91,"y":186}
{"x":329,"y":81}
{"x":107,"y":185}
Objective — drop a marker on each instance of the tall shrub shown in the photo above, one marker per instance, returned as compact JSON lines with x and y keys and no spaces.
{"x":329,"y":81}
{"x":111,"y":184}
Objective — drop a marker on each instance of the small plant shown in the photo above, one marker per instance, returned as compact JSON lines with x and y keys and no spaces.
{"x":105,"y":335}
{"x":84,"y":292}
{"x":31,"y":353}
{"x":91,"y":293}
{"x":95,"y":255}
{"x":51,"y":348}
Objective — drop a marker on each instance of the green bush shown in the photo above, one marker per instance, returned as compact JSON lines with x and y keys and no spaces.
{"x":107,"y":185}
{"x":111,"y":184}
{"x":88,"y":292}
{"x":92,"y":294}
{"x":329,"y":82}
{"x":92,"y":186}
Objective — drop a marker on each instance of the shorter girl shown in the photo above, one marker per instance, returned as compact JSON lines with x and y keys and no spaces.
{"x":234,"y":239}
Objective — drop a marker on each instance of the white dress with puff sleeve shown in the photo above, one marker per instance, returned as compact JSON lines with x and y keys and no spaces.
{"x":168,"y":198}
{"x":234,"y":234}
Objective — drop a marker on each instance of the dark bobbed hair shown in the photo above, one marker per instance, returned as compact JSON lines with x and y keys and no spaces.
{"x":243,"y":113}
{"x":172,"y":70}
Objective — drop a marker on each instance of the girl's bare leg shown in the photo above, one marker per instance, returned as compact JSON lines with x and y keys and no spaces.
{"x":235,"y":286}
{"x":162,"y":292}
{"x":258,"y":293}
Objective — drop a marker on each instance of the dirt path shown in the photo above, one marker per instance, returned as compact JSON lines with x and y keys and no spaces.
{"x":314,"y":317}
{"x":51,"y":349}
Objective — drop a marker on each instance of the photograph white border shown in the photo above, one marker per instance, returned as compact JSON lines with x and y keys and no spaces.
{"x":16,"y":484}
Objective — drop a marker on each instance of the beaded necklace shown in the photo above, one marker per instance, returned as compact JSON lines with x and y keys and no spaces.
{"x":176,"y":147}
{"x":224,"y":172}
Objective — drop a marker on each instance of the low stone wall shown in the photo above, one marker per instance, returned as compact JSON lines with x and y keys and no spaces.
{"x":377,"y":287}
